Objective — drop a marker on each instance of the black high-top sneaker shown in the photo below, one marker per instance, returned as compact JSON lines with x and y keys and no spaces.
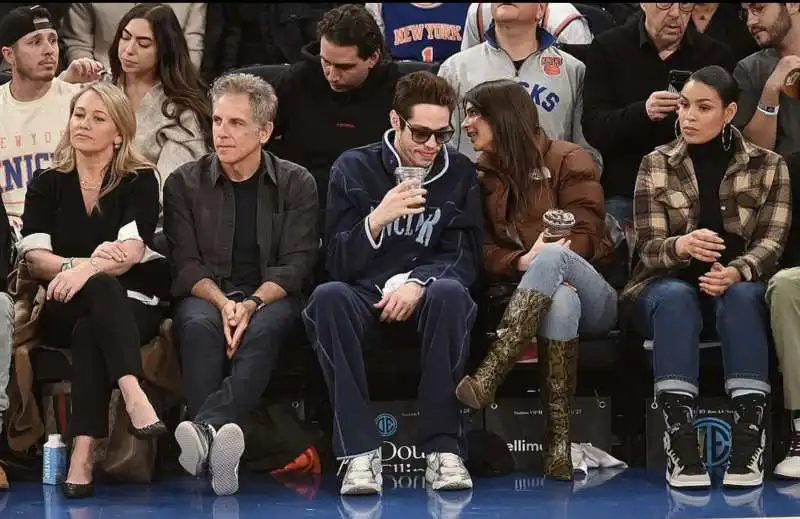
{"x":684,"y":466}
{"x":746,"y":463}
{"x":789,"y":468}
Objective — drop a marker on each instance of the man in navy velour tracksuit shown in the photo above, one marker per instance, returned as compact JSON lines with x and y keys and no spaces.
{"x":400,"y":252}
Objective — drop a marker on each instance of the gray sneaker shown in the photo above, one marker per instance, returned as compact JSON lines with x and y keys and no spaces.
{"x":226,"y":451}
{"x":195,"y":441}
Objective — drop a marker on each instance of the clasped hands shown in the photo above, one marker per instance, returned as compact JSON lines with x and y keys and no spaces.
{"x":235,"y":319}
{"x":707,"y":246}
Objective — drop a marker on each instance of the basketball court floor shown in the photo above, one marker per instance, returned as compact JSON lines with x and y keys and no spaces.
{"x":607,"y":494}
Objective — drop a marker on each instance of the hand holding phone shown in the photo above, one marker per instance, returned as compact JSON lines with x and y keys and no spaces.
{"x":660,"y":104}
{"x":676,"y":80}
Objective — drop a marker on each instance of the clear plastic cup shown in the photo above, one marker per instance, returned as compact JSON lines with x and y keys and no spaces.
{"x":403,"y":173}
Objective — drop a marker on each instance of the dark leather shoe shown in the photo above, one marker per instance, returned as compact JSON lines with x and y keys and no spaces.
{"x":77,"y":490}
{"x":151,"y":431}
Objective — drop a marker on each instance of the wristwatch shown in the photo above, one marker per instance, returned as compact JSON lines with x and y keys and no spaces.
{"x":66,"y":264}
{"x":767,"y":109}
{"x":257,"y":300}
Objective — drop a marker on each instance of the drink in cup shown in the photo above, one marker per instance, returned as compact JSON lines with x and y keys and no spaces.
{"x":557,"y":224}
{"x":791,"y":85}
{"x":403,"y":173}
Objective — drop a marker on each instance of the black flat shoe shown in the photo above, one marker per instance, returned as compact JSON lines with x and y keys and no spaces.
{"x":151,"y":431}
{"x":77,"y":490}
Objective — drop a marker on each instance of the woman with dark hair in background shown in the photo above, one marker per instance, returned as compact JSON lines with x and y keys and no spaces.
{"x":150,"y":61}
{"x":532,"y":182}
{"x":712,"y":214}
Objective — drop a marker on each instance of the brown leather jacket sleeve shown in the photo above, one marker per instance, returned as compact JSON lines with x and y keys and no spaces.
{"x":580,"y":192}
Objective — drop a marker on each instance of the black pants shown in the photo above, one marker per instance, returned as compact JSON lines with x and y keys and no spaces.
{"x":337,"y":319}
{"x":218,"y":390}
{"x":104,"y":328}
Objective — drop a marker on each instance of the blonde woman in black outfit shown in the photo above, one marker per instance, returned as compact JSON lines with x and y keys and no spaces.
{"x":87,"y":230}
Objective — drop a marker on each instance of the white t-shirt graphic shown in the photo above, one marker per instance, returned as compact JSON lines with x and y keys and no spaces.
{"x":29,"y":134}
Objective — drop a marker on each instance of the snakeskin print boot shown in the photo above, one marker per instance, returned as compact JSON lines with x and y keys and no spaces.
{"x":518,"y":327}
{"x":561,"y":379}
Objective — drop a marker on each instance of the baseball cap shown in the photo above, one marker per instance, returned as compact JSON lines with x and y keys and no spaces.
{"x":23,"y":20}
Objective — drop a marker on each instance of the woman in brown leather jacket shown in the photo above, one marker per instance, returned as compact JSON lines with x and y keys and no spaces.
{"x":560,"y":295}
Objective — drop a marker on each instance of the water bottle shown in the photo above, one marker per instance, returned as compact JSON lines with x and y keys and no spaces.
{"x":54,"y":470}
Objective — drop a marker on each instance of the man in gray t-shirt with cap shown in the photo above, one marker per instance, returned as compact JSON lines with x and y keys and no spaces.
{"x":768,"y":116}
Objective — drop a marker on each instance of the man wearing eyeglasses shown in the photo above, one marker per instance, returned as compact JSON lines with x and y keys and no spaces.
{"x":403,"y":255}
{"x":772,"y":120}
{"x":630,"y":102}
{"x":768,"y":116}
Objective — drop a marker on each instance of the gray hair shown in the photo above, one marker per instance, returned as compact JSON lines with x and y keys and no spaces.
{"x":263,"y":100}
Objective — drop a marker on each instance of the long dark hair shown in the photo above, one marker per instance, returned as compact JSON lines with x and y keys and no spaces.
{"x":183,"y":87}
{"x":514,"y":121}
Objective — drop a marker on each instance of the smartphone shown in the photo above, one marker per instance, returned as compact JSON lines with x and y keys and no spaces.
{"x":677,"y":78}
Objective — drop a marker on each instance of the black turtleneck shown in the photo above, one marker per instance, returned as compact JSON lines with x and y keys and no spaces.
{"x":710,"y":161}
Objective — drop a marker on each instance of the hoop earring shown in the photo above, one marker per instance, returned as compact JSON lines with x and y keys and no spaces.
{"x":727,"y":145}
{"x":677,"y":129}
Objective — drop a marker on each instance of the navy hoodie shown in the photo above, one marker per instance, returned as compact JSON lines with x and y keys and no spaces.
{"x":444,"y":242}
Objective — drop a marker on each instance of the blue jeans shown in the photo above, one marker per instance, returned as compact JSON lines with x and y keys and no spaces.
{"x":588,"y":308}
{"x":218,"y":390}
{"x":668,"y":313}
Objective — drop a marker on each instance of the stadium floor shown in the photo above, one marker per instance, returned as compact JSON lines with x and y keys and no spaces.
{"x":632,"y":493}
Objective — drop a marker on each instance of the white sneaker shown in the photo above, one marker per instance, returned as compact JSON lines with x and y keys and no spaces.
{"x":226,"y":451}
{"x":363,"y":476}
{"x":446,"y":471}
{"x":790,"y":466}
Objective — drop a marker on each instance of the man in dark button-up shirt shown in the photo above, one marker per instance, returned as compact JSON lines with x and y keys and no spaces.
{"x":627,"y":109}
{"x":242,"y":231}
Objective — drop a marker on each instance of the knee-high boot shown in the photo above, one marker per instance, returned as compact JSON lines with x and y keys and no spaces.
{"x":561,"y":365}
{"x":518,"y":327}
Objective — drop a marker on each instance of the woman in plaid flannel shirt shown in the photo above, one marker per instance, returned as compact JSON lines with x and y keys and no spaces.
{"x":712,"y":215}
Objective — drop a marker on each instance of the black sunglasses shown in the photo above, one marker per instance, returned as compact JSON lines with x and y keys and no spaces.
{"x":422,"y":135}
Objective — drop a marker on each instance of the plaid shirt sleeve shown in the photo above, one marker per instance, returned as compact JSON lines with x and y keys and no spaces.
{"x":772,"y":230}
{"x":655,"y":245}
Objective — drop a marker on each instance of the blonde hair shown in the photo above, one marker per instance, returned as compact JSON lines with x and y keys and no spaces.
{"x":127,"y":160}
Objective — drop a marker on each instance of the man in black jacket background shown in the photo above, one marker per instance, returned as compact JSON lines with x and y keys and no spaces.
{"x":338,"y":97}
{"x":627,"y":108}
